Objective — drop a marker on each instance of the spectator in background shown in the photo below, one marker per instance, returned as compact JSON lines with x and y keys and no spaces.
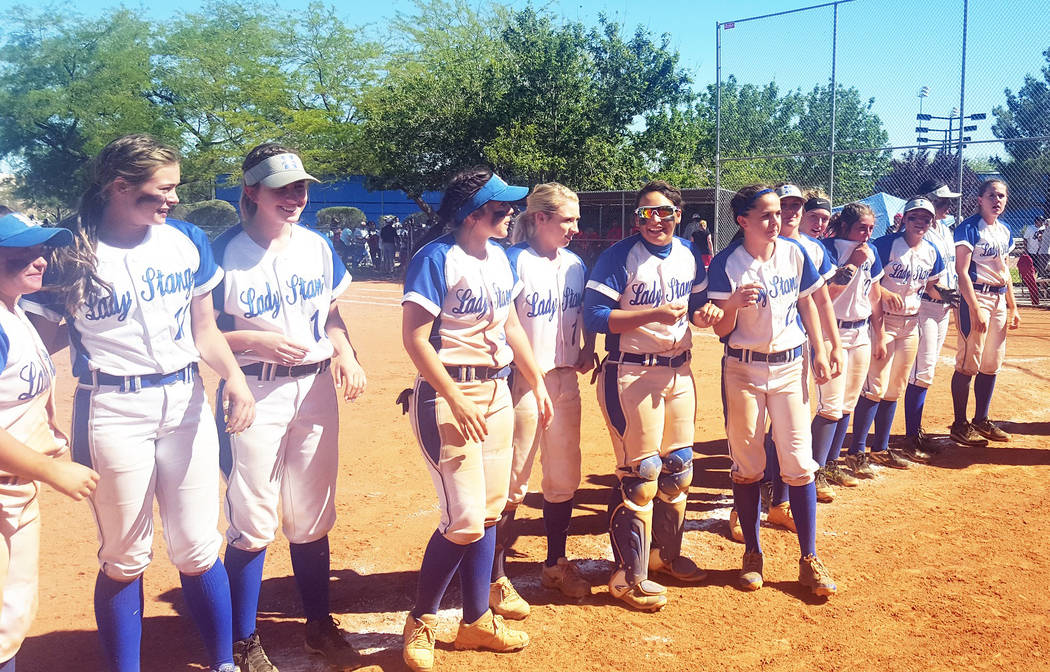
{"x":1036,"y":243}
{"x":691,"y":227}
{"x":702,"y":242}
{"x":388,"y":240}
{"x":373,"y":244}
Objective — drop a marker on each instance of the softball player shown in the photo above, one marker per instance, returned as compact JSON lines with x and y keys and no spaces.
{"x":641,"y":294}
{"x":462,"y":333}
{"x":763,"y":283}
{"x":912,"y":265}
{"x":986,"y":310}
{"x":933,"y":324}
{"x":277,"y":307}
{"x":134,"y":289}
{"x":29,"y":438}
{"x":855,"y":293}
{"x":793,"y":206}
{"x":549,"y":308}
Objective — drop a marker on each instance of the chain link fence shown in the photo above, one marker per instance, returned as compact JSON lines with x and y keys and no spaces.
{"x":956,"y":90}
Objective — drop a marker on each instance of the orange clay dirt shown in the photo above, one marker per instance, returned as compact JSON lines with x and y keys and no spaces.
{"x":938,"y":567}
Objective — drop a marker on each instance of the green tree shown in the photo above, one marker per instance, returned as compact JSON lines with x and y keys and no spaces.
{"x":332,"y":67}
{"x":538,"y":99}
{"x":1026,"y":116}
{"x":856,"y":127}
{"x":679,"y":142}
{"x":69,"y":85}
{"x":219,"y":78}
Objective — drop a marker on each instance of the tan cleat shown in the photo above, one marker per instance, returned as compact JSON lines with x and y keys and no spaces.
{"x":681,"y":568}
{"x":735,"y":531}
{"x":645,"y":596}
{"x":780,"y":516}
{"x":418,"y":648}
{"x":565,"y":577}
{"x":506,"y":602}
{"x":490,"y":632}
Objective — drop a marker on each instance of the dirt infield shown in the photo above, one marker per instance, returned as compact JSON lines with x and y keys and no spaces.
{"x":938,"y":567}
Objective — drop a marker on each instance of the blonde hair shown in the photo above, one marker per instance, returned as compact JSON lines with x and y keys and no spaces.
{"x":815,"y":192}
{"x":546,"y":197}
{"x":135,"y":158}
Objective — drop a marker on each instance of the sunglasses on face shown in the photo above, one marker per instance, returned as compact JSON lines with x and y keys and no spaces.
{"x":662,"y":212}
{"x":17,"y":261}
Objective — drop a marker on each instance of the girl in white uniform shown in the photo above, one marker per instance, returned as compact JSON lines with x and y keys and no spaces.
{"x":30,"y":442}
{"x":277,"y":307}
{"x":911,"y":265}
{"x":643,"y":292}
{"x":933,"y":324}
{"x":855,"y":293}
{"x":550,"y":309}
{"x":134,"y":289}
{"x":763,"y":283}
{"x":793,"y":211}
{"x":987,"y":310}
{"x":462,"y":332}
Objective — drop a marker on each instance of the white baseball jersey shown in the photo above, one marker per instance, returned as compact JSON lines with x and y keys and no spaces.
{"x":26,"y":370}
{"x":288,"y":292}
{"x":635,"y":275}
{"x":470,"y":297}
{"x":818,"y":254}
{"x":854,"y":304}
{"x":1033,"y":236}
{"x":773,"y":323}
{"x":550,"y":305}
{"x":143,"y":327}
{"x":943,"y":238}
{"x":907,"y":269}
{"x":990,"y":249}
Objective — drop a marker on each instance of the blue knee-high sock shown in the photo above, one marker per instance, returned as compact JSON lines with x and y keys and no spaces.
{"x":914,"y":402}
{"x":841,"y":428}
{"x":983,"y":386}
{"x":8,"y":665}
{"x":823,"y":430}
{"x":804,"y":510}
{"x":474,"y":573}
{"x":556,"y":518}
{"x":440,"y":562}
{"x":772,"y":473}
{"x":960,"y":395}
{"x":118,"y":614}
{"x":883,"y":424}
{"x":311,"y":564}
{"x":245,"y":571}
{"x":863,"y":416}
{"x":208,"y":598}
{"x":748,"y":504}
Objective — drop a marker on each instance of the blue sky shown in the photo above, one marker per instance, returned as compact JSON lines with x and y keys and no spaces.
{"x":888,"y":49}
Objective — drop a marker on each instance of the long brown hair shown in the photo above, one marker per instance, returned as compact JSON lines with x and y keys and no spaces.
{"x":135,"y":158}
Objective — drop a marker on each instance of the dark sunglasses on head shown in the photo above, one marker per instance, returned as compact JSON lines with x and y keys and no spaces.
{"x":658,"y":211}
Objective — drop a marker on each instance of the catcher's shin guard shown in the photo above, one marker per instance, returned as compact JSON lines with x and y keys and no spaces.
{"x":630,"y":520}
{"x":669,"y":505}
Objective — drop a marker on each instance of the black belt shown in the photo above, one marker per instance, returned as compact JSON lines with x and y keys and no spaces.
{"x":768,"y":357}
{"x":927,"y":297}
{"x":989,"y":289}
{"x":266,"y":371}
{"x":467,"y":374}
{"x":648,"y":360}
{"x":133,"y":383}
{"x":855,"y":324}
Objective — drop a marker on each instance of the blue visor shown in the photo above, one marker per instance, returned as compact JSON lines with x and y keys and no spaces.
{"x":18,"y":231}
{"x":494,"y":190}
